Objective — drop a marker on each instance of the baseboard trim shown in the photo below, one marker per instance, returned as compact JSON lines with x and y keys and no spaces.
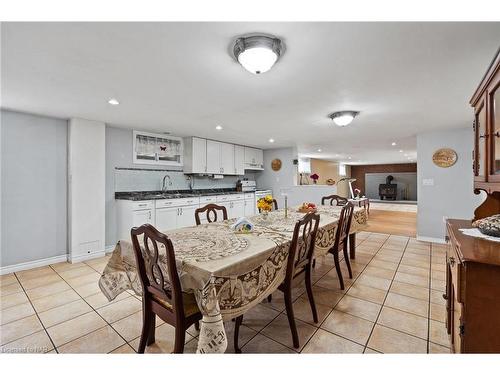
{"x":33,"y":264}
{"x":84,"y":257}
{"x":109,"y":249}
{"x":431,"y":239}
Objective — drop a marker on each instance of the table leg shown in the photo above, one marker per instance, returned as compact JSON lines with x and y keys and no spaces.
{"x":352,"y":245}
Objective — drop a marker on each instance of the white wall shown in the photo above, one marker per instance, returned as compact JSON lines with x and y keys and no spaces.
{"x":33,"y":189}
{"x":452,"y":192}
{"x":87,"y":183}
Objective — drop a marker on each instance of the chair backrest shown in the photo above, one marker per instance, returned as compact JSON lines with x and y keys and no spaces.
{"x":344,"y":225}
{"x":275,"y":205}
{"x":339,"y":201}
{"x":302,"y":248}
{"x":211,"y":213}
{"x":157,"y":271}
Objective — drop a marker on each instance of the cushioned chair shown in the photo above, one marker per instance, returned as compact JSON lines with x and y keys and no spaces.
{"x":211,"y":213}
{"x":298,"y":266}
{"x":339,"y":201}
{"x":341,"y":239}
{"x":161,"y":288}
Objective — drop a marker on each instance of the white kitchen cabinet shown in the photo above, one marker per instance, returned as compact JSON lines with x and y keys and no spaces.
{"x":133,"y":214}
{"x":249,"y":205}
{"x":186,"y":216}
{"x":157,"y":149}
{"x":213,"y":157}
{"x":195,"y":155}
{"x":254,"y":158}
{"x":239,"y":160}
{"x":227,"y":158}
{"x":236,"y":209}
{"x":166,"y":218}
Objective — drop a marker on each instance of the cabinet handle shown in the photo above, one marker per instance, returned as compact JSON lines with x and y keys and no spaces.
{"x":447,"y":238}
{"x":484,"y":136}
{"x":452,"y":261}
{"x":496,"y":134}
{"x":142,"y":204}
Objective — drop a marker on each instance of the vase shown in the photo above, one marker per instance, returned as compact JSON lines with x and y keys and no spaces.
{"x":265,"y":215}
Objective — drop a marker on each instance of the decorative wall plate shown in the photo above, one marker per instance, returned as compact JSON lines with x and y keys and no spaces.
{"x":276,"y":165}
{"x":444,"y":157}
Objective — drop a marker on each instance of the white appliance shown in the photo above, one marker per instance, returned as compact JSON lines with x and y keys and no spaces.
{"x":261,"y":194}
{"x":247,"y":186}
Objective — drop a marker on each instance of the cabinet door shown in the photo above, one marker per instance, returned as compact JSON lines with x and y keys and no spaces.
{"x":259,"y":157}
{"x":239,"y":160}
{"x":199,"y":155}
{"x":166,"y":218}
{"x":481,"y":133}
{"x":494,"y":116}
{"x":227,"y":158}
{"x":237,"y":209}
{"x":186,"y":216}
{"x":249,"y":207}
{"x":213,"y":157}
{"x":142,"y":217}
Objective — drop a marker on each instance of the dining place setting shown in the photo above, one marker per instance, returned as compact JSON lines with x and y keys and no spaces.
{"x":221,"y":268}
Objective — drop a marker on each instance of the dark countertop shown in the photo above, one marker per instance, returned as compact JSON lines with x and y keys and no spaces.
{"x":172,"y":194}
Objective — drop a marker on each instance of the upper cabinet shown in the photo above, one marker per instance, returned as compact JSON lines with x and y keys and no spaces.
{"x":205,"y":156}
{"x":254,"y":158}
{"x":159,"y":149}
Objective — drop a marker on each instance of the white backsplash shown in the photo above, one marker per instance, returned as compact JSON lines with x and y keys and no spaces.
{"x":151,"y":180}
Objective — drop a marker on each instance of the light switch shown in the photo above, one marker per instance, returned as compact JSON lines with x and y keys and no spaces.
{"x":428,"y":182}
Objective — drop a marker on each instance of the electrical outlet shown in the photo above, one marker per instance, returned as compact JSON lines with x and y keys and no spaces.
{"x":428,"y":182}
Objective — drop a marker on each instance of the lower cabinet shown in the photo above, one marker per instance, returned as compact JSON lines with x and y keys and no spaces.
{"x":236,"y":209}
{"x":249,"y":207}
{"x":166,"y":218}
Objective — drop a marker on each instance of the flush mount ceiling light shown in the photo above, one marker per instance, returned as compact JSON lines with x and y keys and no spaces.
{"x":343,"y":118}
{"x":113,"y":101}
{"x":258,"y":53}
{"x":271,"y":140}
{"x":393,"y":144}
{"x":319,"y":150}
{"x":218,"y":127}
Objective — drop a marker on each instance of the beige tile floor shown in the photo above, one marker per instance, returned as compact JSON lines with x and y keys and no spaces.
{"x":392,"y":305}
{"x":385,"y":206}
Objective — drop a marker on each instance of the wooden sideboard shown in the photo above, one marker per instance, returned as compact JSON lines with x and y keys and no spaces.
{"x":472,"y":291}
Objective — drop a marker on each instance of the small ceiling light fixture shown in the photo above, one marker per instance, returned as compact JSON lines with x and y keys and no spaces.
{"x":393,"y":144}
{"x":258,"y":53}
{"x":271,"y":140}
{"x":218,"y":127}
{"x":349,"y":158}
{"x":319,"y":150}
{"x":113,"y":101}
{"x":343,"y":118}
{"x":400,"y":150}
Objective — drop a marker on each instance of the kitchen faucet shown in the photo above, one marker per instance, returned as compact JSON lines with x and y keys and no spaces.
{"x":163,"y":185}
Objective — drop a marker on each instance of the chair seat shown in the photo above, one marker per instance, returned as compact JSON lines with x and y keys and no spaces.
{"x":189,"y":301}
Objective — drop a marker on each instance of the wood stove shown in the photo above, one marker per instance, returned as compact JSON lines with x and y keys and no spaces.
{"x":388,"y":190}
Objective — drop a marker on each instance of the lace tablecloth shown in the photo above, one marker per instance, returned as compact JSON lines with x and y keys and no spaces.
{"x":229,"y":273}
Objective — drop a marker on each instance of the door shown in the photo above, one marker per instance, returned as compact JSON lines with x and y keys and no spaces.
{"x":199,"y":154}
{"x":213,"y":157}
{"x":142,"y":217}
{"x":166,"y":218}
{"x":227,"y":158}
{"x":239,"y":160}
{"x":186,"y":216}
{"x":249,"y":207}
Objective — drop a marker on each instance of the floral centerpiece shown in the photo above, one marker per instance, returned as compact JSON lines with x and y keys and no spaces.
{"x":265,"y":205}
{"x":314,"y":177}
{"x":357,"y":192}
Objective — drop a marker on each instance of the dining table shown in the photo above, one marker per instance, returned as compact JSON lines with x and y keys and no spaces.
{"x":229,"y":272}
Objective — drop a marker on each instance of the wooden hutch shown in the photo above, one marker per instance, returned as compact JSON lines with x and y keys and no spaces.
{"x":473,"y":264}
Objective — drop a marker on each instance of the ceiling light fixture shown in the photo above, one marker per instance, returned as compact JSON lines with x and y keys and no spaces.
{"x":258,"y":53}
{"x":271,"y":140}
{"x":343,"y":118}
{"x":218,"y":127}
{"x":319,"y":150}
{"x":393,"y":144}
{"x":400,"y":150}
{"x":113,"y":101}
{"x":349,"y":158}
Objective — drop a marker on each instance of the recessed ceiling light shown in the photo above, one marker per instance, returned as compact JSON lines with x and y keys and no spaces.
{"x":406,"y":154}
{"x":258,"y":53}
{"x":113,"y":101}
{"x":271,"y":140}
{"x":393,"y":144}
{"x":343,"y":118}
{"x":400,"y":150}
{"x":349,"y":158}
{"x":218,"y":127}
{"x":319,"y":150}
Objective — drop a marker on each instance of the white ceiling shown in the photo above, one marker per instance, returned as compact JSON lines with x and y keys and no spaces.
{"x":404,"y":78}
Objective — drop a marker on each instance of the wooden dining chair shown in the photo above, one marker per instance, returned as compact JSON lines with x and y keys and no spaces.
{"x":339,"y":201}
{"x":211,"y":213}
{"x":298,"y":265}
{"x":275,"y":205}
{"x":341,"y":239}
{"x":161,"y":288}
